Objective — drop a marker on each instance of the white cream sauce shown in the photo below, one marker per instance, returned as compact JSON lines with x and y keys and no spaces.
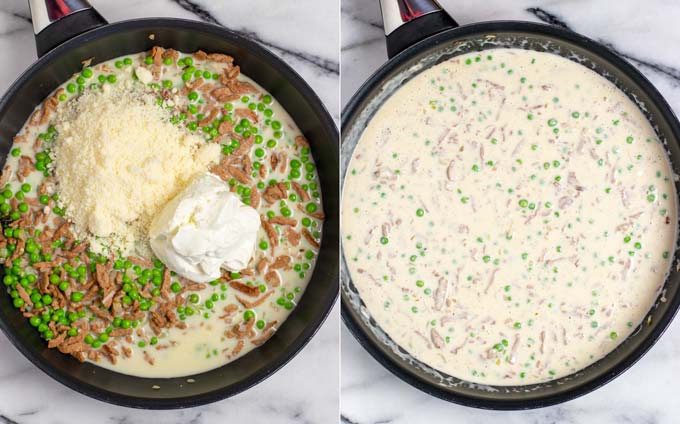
{"x":205,"y":344}
{"x":508,"y":217}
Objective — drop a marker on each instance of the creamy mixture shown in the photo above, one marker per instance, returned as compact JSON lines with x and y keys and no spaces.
{"x":118,"y":305}
{"x":508,"y":217}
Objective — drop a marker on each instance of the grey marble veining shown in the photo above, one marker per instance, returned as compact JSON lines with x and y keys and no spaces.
{"x":304,"y":33}
{"x":645,"y":35}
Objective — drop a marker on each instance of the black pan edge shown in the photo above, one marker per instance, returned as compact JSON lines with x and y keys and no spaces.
{"x":331,"y":293}
{"x":353,"y":108}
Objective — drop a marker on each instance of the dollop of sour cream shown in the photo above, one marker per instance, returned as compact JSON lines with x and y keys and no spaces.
{"x":203,"y":229}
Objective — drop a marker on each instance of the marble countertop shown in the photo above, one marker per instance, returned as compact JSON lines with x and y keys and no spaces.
{"x":304,"y":33}
{"x":647,"y":37}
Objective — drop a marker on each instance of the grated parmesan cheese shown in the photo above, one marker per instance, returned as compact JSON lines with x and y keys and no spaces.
{"x":118,"y":161}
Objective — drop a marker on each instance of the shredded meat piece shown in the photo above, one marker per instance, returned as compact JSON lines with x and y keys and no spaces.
{"x":220,"y":58}
{"x":437,"y":339}
{"x":275,"y":192}
{"x":293,"y":237}
{"x":148,"y":358}
{"x":127,"y":352}
{"x":304,"y":196}
{"x":240,"y":175}
{"x":209,"y":118}
{"x":237,"y":349}
{"x":441,"y":293}
{"x":165,"y":286}
{"x":270,"y":231}
{"x":241,"y":87}
{"x":248,"y":304}
{"x":200,"y":55}
{"x":121,"y":332}
{"x":23,"y":294}
{"x":243,"y":288}
{"x":317,"y":215}
{"x":225,"y":127}
{"x":144,"y":263}
{"x":254,"y":197}
{"x":246,"y":113}
{"x":308,"y":236}
{"x":283,"y":220}
{"x":301,"y":141}
{"x":274,"y":161}
{"x":57,"y":340}
{"x":272,"y":278}
{"x":223,"y":94}
{"x":281,"y":262}
{"x":262,"y":265}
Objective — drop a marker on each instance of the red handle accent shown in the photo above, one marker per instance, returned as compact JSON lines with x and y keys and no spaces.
{"x":411,"y":9}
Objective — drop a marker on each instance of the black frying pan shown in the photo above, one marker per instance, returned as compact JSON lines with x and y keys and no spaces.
{"x":61,"y":50}
{"x":419,"y":31}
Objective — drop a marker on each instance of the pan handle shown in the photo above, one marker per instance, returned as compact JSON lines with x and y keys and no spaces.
{"x":56,"y":21}
{"x":408,"y":21}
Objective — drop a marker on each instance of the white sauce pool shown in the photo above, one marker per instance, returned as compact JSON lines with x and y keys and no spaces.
{"x":509,"y":217}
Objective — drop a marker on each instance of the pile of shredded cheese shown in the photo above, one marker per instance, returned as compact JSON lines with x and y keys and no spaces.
{"x":118,"y":160}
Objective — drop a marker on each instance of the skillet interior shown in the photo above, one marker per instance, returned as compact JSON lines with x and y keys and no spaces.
{"x":479,"y":37}
{"x":308,"y":112}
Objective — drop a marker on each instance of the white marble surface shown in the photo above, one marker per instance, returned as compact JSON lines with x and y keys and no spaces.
{"x":304,"y":33}
{"x":647,"y":393}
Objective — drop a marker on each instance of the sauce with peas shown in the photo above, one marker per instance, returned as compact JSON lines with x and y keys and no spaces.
{"x":509,"y":217}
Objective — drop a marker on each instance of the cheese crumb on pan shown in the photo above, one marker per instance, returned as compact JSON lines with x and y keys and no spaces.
{"x":118,"y":161}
